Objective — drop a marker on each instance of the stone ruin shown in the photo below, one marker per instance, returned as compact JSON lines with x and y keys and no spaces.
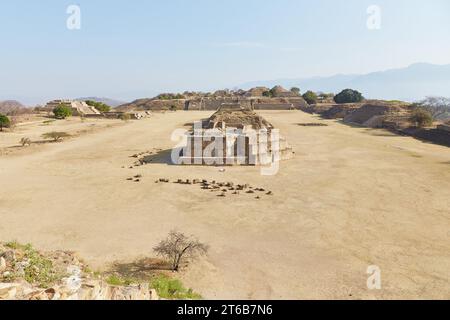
{"x":234,"y":135}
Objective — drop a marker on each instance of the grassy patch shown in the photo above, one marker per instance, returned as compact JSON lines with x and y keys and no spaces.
{"x":38,"y":270}
{"x":169,"y":288}
{"x":31,"y":266}
{"x":115,"y":280}
{"x":14,"y":245}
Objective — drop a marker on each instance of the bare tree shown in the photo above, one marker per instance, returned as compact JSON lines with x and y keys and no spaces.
{"x":439,"y":107}
{"x":179,"y":248}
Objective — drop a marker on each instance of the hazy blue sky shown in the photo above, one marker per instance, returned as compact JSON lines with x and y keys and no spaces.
{"x":134,"y":49}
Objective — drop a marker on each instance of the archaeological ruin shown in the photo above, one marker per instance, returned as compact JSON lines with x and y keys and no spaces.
{"x":234,"y":135}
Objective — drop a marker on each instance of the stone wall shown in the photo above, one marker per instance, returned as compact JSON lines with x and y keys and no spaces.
{"x":214,"y":103}
{"x":272,"y":106}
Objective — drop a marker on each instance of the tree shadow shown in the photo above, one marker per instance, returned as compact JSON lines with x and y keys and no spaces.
{"x":383,"y":132}
{"x":140,"y":269}
{"x":39,"y":142}
{"x":312,"y":124}
{"x":351,"y":124}
{"x":161,"y":157}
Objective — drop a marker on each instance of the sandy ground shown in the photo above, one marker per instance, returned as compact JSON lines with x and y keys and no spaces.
{"x":351,"y":198}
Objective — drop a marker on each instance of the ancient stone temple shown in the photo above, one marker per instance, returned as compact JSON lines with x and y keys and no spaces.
{"x":234,"y":136}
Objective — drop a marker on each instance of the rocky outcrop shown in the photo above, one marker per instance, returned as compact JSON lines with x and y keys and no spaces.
{"x":27,"y":274}
{"x":74,"y":288}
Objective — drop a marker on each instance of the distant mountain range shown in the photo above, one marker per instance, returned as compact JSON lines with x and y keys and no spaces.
{"x":409,"y":84}
{"x":109,"y":102}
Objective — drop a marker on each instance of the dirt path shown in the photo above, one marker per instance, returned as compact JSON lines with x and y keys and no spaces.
{"x":352,"y":197}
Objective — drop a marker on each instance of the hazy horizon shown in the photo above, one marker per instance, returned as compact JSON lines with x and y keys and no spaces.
{"x":127,"y":52}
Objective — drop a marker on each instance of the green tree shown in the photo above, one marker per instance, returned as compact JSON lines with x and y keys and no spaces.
{"x":4,"y":122}
{"x":62,"y":111}
{"x":295,"y":90}
{"x":421,"y":118}
{"x":267,"y":94}
{"x":348,"y":96}
{"x":310,"y":97}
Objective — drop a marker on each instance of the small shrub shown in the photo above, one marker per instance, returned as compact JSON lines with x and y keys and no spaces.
{"x":5,"y":122}
{"x":348,"y":96}
{"x":14,"y":245}
{"x":270,"y":93}
{"x":62,"y":111}
{"x":125,"y":117}
{"x":438,"y":107}
{"x":25,"y":142}
{"x":168,"y":288}
{"x":56,"y":136}
{"x":267,"y":94}
{"x":115,"y":280}
{"x":170,"y":96}
{"x":421,"y":118}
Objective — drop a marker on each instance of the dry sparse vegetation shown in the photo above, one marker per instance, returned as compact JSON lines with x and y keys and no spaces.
{"x":179,"y":248}
{"x":125,"y":117}
{"x":25,"y":142}
{"x":56,"y":136}
{"x":27,"y":263}
{"x":421,"y":118}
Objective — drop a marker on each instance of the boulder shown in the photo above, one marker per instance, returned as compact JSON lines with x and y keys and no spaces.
{"x":8,"y":291}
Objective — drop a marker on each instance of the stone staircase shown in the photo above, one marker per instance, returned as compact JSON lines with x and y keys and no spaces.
{"x":84,"y":109}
